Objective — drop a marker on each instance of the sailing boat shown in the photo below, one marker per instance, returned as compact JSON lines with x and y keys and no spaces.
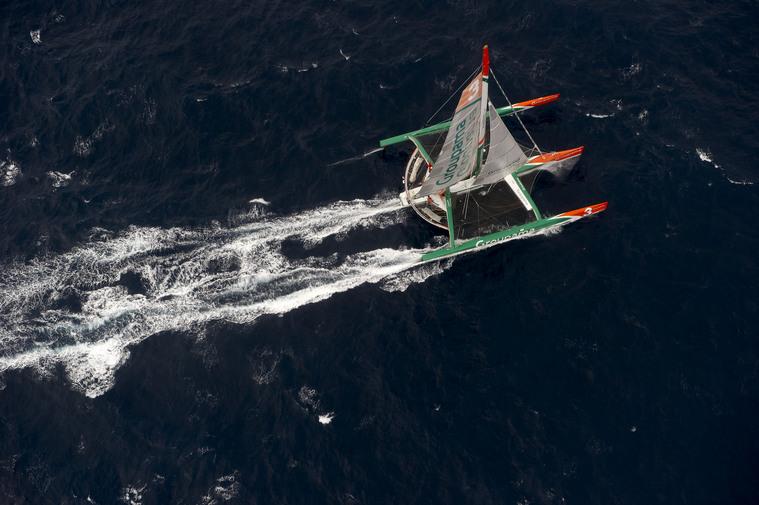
{"x":470,"y":176}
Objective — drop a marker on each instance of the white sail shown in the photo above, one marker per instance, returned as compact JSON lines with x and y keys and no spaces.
{"x":504,"y":155}
{"x":458,"y":156}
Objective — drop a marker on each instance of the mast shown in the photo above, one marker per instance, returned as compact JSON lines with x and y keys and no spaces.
{"x":483,"y":106}
{"x":459,"y":155}
{"x":480,"y":141}
{"x":449,"y":217}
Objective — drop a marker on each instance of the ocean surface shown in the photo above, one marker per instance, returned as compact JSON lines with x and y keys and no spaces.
{"x":208,"y":292}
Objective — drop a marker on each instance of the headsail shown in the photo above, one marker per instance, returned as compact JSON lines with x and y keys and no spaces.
{"x":504,"y":157}
{"x":458,"y":157}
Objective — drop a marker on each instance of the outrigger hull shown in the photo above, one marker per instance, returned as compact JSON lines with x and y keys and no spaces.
{"x":521,"y":231}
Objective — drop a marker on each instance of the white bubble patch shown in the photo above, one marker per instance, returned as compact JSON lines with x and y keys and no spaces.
{"x":9,"y":173}
{"x":705,"y":156}
{"x":83,"y":309}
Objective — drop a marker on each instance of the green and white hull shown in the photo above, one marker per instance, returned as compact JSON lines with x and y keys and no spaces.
{"x":516,"y":232}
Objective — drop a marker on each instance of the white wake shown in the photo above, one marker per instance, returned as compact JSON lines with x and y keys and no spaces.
{"x":179,"y":279}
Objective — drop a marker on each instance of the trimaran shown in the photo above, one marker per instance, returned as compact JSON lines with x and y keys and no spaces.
{"x":470,"y":176}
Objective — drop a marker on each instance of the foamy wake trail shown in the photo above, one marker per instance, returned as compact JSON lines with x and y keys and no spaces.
{"x":84,"y":308}
{"x":356,"y":158}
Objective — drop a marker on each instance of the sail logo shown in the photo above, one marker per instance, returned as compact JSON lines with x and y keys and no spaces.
{"x":471,"y":92}
{"x":485,"y":243}
{"x":464,"y":169}
{"x":458,"y":147}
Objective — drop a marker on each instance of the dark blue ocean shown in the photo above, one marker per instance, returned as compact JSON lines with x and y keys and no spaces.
{"x":208,"y":295}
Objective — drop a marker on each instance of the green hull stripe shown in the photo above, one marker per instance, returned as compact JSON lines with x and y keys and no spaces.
{"x":493,"y":238}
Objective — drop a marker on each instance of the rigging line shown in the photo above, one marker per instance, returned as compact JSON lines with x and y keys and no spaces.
{"x":466,"y":204}
{"x":466,"y":81}
{"x":537,"y":176}
{"x":515,"y":113}
{"x":438,"y":138}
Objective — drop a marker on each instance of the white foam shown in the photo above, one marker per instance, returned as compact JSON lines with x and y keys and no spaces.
{"x":739,"y":183}
{"x":633,"y":69}
{"x":59,"y":179}
{"x":83,"y":146}
{"x":186,"y":278}
{"x":308,"y":67}
{"x":132,"y":495}
{"x":9,"y":173}
{"x":705,"y":156}
{"x":326,"y":418}
{"x":225,"y":488}
{"x":402,"y":281}
{"x":265,"y":366}
{"x":308,"y":397}
{"x":259,"y":201}
{"x":599,"y":116}
{"x":357,"y":158}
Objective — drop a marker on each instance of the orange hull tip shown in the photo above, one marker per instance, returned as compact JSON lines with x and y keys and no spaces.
{"x":538,"y":101}
{"x":558,"y":155}
{"x":586,"y":211}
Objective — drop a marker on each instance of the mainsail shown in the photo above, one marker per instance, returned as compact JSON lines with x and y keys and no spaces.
{"x":458,"y":156}
{"x":504,"y":156}
{"x":473,"y":210}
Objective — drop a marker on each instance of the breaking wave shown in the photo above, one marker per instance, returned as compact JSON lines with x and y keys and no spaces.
{"x":84,"y":308}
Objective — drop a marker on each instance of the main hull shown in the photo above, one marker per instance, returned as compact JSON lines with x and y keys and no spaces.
{"x":521,"y":231}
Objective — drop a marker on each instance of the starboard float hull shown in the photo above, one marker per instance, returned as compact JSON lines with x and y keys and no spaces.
{"x":521,"y":231}
{"x":556,"y":161}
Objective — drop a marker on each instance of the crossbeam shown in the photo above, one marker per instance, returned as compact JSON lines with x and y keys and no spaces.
{"x":502,"y":111}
